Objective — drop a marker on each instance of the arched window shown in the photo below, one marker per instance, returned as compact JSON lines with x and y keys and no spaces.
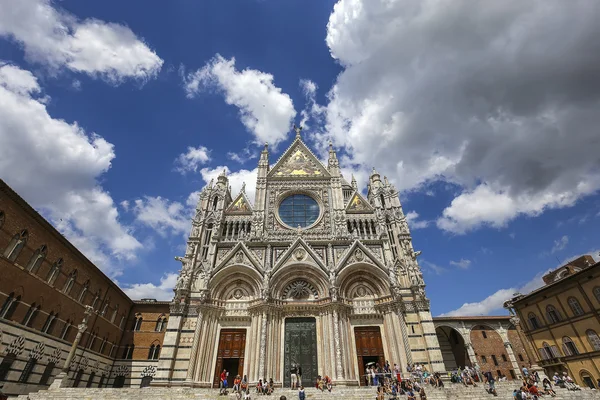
{"x":154,"y":352}
{"x":66,"y":328}
{"x":70,"y":282}
{"x":215,"y":202}
{"x":161,"y":324}
{"x":593,"y":339}
{"x":137,"y":324}
{"x":31,"y":315}
{"x":78,"y":378}
{"x":553,"y":314}
{"x":54,"y":271}
{"x":49,"y":324}
{"x":36,"y":259}
{"x":122,"y":322}
{"x":534,"y":323}
{"x":16,"y":244}
{"x":128,"y":352}
{"x":102,"y":346}
{"x":112,"y":350}
{"x":105,"y":308}
{"x":597,"y":293}
{"x":9,"y":306}
{"x":114,"y":314}
{"x":575,"y":306}
{"x":569,"y":347}
{"x":382,"y":200}
{"x":2,"y":218}
{"x":96,"y":298}
{"x":83,"y":292}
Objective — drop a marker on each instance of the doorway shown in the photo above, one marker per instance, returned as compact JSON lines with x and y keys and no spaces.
{"x":300,"y":347}
{"x":230,"y":355}
{"x":369,"y":349}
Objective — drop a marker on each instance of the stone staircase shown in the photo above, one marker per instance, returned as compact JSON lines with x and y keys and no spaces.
{"x":450,"y":392}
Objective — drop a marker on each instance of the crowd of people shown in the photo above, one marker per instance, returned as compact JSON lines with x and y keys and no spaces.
{"x":391,"y":384}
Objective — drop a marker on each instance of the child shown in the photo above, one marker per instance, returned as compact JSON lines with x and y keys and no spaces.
{"x":301,"y":394}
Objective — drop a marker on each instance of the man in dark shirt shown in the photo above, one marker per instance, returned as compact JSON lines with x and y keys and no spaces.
{"x":299,"y":375}
{"x":294,"y":376}
{"x":490,"y":380}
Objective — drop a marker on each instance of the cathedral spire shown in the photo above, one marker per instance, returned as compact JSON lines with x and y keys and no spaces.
{"x":353,"y":183}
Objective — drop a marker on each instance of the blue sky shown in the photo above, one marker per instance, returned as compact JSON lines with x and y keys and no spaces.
{"x":485,"y":118}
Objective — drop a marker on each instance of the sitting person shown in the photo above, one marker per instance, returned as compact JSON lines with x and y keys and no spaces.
{"x":271,"y":385}
{"x":236,"y":383}
{"x":380,"y":393}
{"x":558,"y":381}
{"x":410,"y":395}
{"x":259,"y":386}
{"x":328,"y":383}
{"x":569,"y":382}
{"x":548,"y":387}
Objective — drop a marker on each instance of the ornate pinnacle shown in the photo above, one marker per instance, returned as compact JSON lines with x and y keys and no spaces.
{"x":298,"y":129}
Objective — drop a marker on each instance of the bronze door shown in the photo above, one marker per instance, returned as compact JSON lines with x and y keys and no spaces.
{"x":232,"y":343}
{"x":369,"y":348}
{"x":300,"y":346}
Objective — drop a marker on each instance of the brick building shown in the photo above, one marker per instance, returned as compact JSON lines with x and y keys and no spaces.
{"x":493,"y":343}
{"x":44,"y":287}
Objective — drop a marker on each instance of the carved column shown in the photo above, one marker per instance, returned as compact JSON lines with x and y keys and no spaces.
{"x":263,"y":346}
{"x":194,"y":350}
{"x":338,"y":350}
{"x":512,"y":358}
{"x":404,"y":332}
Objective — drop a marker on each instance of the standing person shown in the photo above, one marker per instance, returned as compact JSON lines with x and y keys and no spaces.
{"x":299,"y":374}
{"x":223,"y":382}
{"x":397,"y":372}
{"x":525,"y":373}
{"x":422,"y":393}
{"x":301,"y":394}
{"x":294,"y":376}
{"x":489,"y":378}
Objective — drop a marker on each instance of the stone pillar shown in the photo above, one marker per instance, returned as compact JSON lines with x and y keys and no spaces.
{"x":470,"y":351}
{"x":431,"y":341}
{"x":61,"y":378}
{"x":194,"y":350}
{"x":263,"y":345}
{"x":404,"y":332}
{"x":512,"y":358}
{"x":338,"y":351}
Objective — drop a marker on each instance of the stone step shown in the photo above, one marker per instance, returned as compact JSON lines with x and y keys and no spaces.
{"x":450,"y":392}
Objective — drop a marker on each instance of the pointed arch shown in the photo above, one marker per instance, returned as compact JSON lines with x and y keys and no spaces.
{"x":84,"y":291}
{"x":70,"y":282}
{"x":54,"y":271}
{"x":16,"y":245}
{"x":36,"y":259}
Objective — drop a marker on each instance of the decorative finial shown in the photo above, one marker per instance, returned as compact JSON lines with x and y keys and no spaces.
{"x":266,"y":146}
{"x":330,"y":145}
{"x":298,"y":129}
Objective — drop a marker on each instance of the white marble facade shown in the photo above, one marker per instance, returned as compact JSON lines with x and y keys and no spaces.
{"x":349,"y":264}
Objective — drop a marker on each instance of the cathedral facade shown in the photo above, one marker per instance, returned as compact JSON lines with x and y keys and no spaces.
{"x":312,"y":272}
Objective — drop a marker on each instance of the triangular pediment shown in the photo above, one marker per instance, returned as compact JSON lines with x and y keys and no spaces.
{"x":298,"y":162}
{"x":359,"y":253}
{"x":240,"y":255}
{"x":358,"y":204}
{"x":241,"y":205}
{"x":300,"y":252}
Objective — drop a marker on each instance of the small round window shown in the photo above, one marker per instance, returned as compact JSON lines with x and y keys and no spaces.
{"x":299,"y":210}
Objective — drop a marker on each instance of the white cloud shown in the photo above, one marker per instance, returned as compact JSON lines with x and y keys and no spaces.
{"x":462,"y":263}
{"x":243,"y":156}
{"x":125,"y":205}
{"x":57,"y":39}
{"x":236,"y":179}
{"x":560,"y":244}
{"x":493,"y":304}
{"x":264,"y":109}
{"x":161,"y":292}
{"x":412,"y":218}
{"x":162,"y":215}
{"x":429,"y":266}
{"x":55,"y":165}
{"x":312,"y":111}
{"x":495,"y":99}
{"x":192,"y":159}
